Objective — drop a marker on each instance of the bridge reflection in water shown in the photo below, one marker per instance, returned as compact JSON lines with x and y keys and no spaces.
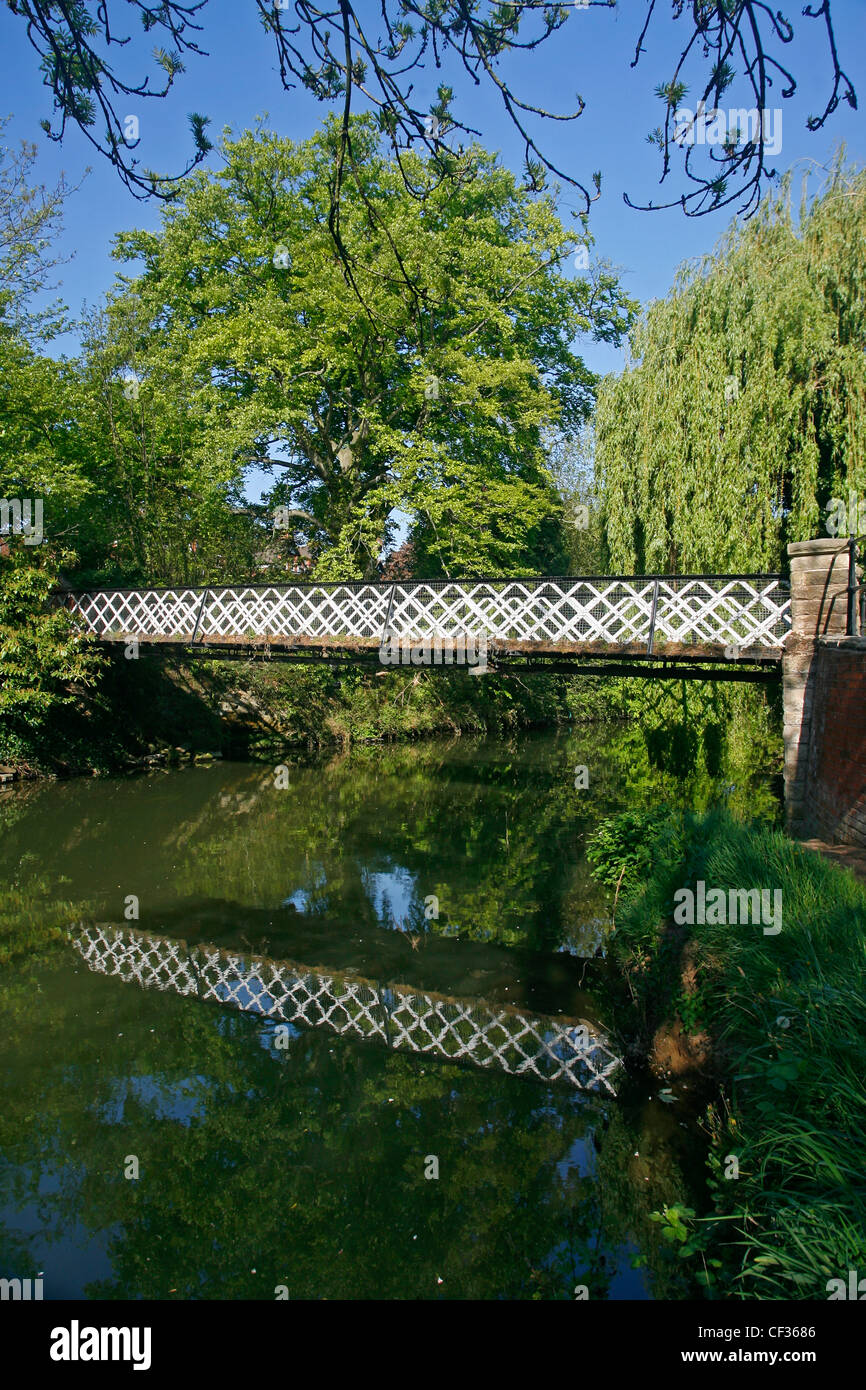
{"x":569,"y":1051}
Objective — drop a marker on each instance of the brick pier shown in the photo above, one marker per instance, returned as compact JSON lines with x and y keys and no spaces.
{"x":824,"y":673}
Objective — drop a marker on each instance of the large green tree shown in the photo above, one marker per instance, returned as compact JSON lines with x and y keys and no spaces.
{"x":429,"y":390}
{"x":744,"y":410}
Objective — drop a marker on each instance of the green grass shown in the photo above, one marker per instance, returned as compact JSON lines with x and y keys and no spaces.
{"x":787,"y":1014}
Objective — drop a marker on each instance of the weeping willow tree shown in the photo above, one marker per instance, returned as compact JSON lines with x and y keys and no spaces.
{"x":744,"y":410}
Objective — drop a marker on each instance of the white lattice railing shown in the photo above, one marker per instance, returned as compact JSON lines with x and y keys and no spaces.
{"x":457,"y":1030}
{"x":741,"y":610}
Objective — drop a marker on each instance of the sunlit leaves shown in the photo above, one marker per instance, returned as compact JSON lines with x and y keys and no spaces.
{"x":745,"y":408}
{"x":250,"y":304}
{"x":672,"y":93}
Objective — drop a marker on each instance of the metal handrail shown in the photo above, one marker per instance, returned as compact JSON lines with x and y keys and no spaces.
{"x":780,"y":579}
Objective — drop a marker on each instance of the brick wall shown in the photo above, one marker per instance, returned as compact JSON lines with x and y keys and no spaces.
{"x":835,"y":781}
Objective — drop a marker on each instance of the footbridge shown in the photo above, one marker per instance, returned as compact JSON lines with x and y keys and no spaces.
{"x":702,"y":626}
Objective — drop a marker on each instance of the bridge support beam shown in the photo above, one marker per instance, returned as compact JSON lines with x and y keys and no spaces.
{"x":824,"y":796}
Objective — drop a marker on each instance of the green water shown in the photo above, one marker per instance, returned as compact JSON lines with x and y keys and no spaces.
{"x":409,"y":1131}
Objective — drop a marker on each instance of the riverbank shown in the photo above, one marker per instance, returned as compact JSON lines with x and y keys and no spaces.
{"x":769,"y":1020}
{"x":151,"y":713}
{"x":157,"y":713}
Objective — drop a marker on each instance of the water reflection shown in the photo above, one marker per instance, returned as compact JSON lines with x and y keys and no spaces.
{"x":494,"y":832}
{"x":531,"y":1045}
{"x":304,"y":911}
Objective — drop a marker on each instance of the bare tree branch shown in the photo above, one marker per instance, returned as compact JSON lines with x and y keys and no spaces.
{"x":328,"y":50}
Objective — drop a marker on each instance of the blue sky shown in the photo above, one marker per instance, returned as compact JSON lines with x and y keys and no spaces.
{"x":239,"y":81}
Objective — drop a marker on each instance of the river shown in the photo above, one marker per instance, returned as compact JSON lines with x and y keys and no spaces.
{"x":338,"y":1027}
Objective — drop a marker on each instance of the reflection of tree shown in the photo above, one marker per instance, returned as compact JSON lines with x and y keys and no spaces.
{"x":302,"y":1167}
{"x":495,"y":831}
{"x":33,"y":914}
{"x":486,"y":833}
{"x":694,"y":744}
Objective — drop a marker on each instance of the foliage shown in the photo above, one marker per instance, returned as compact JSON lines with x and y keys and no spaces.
{"x":623,"y":847}
{"x":165,"y":507}
{"x":746,"y":409}
{"x":690,"y":1006}
{"x":688,"y":1237}
{"x":45,"y":663}
{"x":697,"y":743}
{"x":572,"y":465}
{"x":29,"y":218}
{"x":41,"y":453}
{"x":432,"y":396}
{"x":788,"y":1016}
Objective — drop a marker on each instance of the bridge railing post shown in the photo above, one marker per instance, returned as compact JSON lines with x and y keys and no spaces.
{"x":652,"y":628}
{"x":852,"y":624}
{"x":387,"y":629}
{"x":199,"y":616}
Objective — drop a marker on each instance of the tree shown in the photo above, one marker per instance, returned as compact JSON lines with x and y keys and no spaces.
{"x":572,"y":464}
{"x":166,"y":509}
{"x":745,"y":409}
{"x":39,"y":456}
{"x":343,"y":55}
{"x":430,"y":391}
{"x":30,"y":217}
{"x":44,"y":663}
{"x":42,"y":481}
